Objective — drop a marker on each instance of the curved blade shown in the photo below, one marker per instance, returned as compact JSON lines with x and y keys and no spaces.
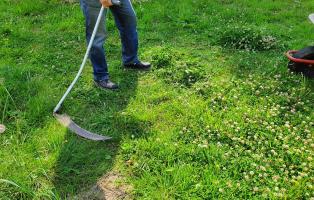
{"x":66,"y":121}
{"x":311,"y":17}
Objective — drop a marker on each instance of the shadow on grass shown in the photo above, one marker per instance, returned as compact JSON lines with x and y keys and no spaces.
{"x":81,"y":162}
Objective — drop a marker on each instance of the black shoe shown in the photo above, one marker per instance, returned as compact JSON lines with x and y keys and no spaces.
{"x":106,"y":84}
{"x":138,"y":66}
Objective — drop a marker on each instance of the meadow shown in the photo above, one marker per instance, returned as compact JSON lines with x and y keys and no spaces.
{"x":219,"y":116}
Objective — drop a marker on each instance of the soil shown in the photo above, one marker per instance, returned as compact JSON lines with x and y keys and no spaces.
{"x":110,"y":187}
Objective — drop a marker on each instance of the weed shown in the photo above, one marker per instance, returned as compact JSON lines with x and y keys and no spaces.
{"x":247,"y":38}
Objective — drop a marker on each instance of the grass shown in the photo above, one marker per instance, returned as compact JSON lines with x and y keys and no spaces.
{"x":217,"y":118}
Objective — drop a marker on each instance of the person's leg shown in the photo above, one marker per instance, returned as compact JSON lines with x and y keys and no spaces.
{"x":125,"y":20}
{"x":91,"y":10}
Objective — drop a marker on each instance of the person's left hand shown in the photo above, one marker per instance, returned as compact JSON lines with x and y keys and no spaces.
{"x":106,"y":3}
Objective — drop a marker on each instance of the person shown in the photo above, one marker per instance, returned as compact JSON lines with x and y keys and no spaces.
{"x":125,"y":20}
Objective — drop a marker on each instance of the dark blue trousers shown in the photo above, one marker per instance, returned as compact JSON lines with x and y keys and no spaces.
{"x":125,"y":20}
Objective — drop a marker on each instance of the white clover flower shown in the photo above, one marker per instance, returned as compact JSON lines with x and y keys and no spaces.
{"x":229,"y":184}
{"x":203,"y":145}
{"x":262,"y":168}
{"x":276,"y":178}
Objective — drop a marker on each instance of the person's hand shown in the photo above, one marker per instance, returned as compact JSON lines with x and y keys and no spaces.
{"x":106,"y":3}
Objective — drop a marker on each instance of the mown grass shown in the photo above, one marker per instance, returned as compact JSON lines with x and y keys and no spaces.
{"x":217,"y":118}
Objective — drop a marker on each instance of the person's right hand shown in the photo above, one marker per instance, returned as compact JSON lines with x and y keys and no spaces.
{"x":106,"y":3}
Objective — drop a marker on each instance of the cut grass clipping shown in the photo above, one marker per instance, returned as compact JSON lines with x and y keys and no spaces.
{"x":177,"y":68}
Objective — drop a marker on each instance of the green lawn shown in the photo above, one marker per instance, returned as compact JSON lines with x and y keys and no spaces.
{"x":218,"y":117}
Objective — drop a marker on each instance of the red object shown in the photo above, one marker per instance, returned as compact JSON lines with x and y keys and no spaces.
{"x":298,"y":60}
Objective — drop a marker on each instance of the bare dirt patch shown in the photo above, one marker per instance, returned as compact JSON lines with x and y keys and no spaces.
{"x":112,"y":186}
